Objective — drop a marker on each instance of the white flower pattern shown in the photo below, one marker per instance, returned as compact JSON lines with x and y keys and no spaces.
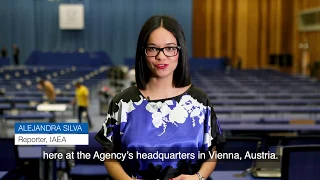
{"x":157,"y":119}
{"x":178,"y":114}
{"x":159,"y":112}
{"x":188,"y":106}
{"x":124,"y":108}
{"x":194,"y":108}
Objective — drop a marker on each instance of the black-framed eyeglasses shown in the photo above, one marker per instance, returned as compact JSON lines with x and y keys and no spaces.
{"x":169,"y":51}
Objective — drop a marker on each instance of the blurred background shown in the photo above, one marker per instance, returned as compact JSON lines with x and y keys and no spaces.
{"x":258,"y":60}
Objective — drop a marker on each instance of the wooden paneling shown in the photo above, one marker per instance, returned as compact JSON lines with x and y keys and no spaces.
{"x":295,"y":41}
{"x":263,"y":33}
{"x":252,"y":30}
{"x":287,"y":10}
{"x":209,"y":29}
{"x":273,"y":26}
{"x":242,"y":31}
{"x":199,"y":28}
{"x":224,"y":29}
{"x":313,"y":38}
{"x":229,"y":31}
{"x":217,"y":12}
{"x":253,"y":35}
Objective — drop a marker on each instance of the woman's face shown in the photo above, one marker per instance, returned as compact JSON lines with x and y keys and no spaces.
{"x":162,"y":63}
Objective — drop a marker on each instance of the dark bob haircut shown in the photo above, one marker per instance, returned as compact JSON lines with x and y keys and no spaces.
{"x":181,"y":75}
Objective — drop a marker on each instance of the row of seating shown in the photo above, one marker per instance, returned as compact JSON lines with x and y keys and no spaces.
{"x":63,"y":79}
{"x":20,"y":103}
{"x":260,"y":97}
{"x":251,"y":81}
{"x":264,"y":102}
{"x":86,"y":59}
{"x":230,"y":105}
{"x":20,"y":90}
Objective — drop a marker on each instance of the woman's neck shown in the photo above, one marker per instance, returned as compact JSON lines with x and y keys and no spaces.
{"x":160,"y":88}
{"x":155,"y":84}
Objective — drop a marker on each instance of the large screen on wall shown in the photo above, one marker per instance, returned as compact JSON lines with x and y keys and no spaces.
{"x":71,"y":16}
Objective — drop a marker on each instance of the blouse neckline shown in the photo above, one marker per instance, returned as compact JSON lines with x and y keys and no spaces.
{"x":164,"y":99}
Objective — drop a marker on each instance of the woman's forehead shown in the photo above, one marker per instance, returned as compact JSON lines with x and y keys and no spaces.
{"x":161,"y":36}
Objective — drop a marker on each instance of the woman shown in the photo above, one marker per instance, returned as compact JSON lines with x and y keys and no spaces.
{"x":163,"y":114}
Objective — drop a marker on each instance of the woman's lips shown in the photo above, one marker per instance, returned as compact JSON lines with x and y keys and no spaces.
{"x":161,"y":66}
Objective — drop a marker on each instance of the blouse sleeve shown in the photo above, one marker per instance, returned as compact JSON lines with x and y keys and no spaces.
{"x":213,"y":132}
{"x":108,"y":134}
{"x":218,"y":139}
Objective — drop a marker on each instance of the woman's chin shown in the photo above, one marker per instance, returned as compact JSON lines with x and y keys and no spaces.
{"x":162,"y":75}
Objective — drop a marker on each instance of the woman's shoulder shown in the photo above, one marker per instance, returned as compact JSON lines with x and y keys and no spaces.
{"x":196,"y":90}
{"x":199,"y":94}
{"x":127,"y":94}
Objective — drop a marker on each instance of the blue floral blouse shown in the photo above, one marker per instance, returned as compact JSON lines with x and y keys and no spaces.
{"x":160,"y":139}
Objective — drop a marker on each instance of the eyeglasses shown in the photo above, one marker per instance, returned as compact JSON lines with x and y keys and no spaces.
{"x":167,"y":51}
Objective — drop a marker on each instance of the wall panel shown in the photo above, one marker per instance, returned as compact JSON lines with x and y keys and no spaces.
{"x":252,"y":30}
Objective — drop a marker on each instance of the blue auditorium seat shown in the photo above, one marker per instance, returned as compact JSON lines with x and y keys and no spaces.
{"x":301,"y":140}
{"x":26,"y":116}
{"x":269,"y":127}
{"x":279,"y":110}
{"x":88,"y":170}
{"x":240,"y":145}
{"x":5,"y":106}
{"x":130,"y":62}
{"x":89,"y":167}
{"x":4,"y":99}
{"x":25,"y":107}
{"x":4,"y":62}
{"x":86,"y":59}
{"x":9,"y":159}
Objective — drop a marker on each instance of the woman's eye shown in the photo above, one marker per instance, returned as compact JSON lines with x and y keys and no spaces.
{"x":153,"y":49}
{"x":170,"y":48}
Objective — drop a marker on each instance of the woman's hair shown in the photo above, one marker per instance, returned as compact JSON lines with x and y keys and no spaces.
{"x":181,"y":75}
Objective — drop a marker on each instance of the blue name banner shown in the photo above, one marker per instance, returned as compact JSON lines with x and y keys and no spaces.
{"x":51,"y":128}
